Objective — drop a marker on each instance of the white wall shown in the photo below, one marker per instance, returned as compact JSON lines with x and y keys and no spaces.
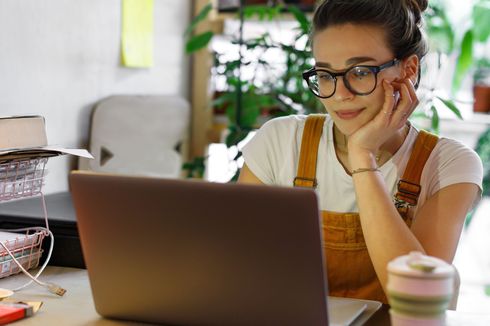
{"x":59,"y":57}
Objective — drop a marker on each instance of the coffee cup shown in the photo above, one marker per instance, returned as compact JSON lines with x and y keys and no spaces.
{"x":419,"y":289}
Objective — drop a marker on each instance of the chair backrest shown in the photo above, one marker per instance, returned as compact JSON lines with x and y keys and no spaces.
{"x":138,"y":135}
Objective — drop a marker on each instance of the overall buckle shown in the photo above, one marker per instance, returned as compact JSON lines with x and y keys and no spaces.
{"x":408,"y":193}
{"x":312,"y":182}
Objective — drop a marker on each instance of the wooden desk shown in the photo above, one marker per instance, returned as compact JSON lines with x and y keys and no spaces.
{"x":76,"y":307}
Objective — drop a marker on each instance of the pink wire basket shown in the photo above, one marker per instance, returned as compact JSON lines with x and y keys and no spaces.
{"x":18,"y":179}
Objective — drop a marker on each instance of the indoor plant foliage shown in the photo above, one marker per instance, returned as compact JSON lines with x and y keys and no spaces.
{"x":476,"y":34}
{"x":441,"y":38}
{"x":279,"y":91}
{"x":459,"y":49}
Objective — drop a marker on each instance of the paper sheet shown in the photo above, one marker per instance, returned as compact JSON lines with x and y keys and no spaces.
{"x":137,"y":33}
{"x":37,"y":152}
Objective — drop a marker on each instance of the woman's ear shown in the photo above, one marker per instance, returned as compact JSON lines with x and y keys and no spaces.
{"x":411,"y":68}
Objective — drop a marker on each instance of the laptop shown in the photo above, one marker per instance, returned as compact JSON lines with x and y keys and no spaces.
{"x":182,"y":252}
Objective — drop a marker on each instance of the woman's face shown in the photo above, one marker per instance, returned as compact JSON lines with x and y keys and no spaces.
{"x":336,"y":49}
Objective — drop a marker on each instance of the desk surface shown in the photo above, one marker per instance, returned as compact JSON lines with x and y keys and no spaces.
{"x":76,"y":307}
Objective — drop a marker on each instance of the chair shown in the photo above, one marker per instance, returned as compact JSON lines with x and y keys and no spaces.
{"x":138,"y":135}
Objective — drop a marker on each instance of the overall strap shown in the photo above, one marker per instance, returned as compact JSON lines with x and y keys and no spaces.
{"x":409,"y":185}
{"x":306,"y":174}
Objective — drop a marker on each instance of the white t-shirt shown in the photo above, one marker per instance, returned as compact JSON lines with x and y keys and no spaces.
{"x":273,"y":154}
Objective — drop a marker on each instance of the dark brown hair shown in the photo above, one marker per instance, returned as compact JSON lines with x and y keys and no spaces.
{"x":401,"y":19}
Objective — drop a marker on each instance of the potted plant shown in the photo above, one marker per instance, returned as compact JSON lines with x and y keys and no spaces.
{"x":481,"y":86}
{"x":441,"y":38}
{"x":476,"y":34}
{"x":248,"y":101}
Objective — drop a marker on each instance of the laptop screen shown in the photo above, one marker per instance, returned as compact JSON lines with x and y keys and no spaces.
{"x":188,"y":252}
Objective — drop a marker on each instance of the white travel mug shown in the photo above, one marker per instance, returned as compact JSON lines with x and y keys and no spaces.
{"x":420,"y":289}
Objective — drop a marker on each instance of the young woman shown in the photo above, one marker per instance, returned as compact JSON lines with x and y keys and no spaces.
{"x":384,"y":187}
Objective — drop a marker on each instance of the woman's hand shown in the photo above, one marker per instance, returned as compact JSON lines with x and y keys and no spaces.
{"x":400,"y":101}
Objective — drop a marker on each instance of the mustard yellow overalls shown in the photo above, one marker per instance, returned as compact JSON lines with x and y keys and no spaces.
{"x":349,"y":269}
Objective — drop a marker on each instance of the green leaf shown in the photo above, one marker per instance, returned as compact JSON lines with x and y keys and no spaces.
{"x":195,"y":168}
{"x":232,"y":65}
{"x":262,"y":12}
{"x":487,"y":290}
{"x":264,"y":100}
{"x":451,"y":106}
{"x":276,"y":11}
{"x":435,"y":119}
{"x":300,"y":18}
{"x":225,"y":98}
{"x":238,"y":155}
{"x":235,"y":136}
{"x":441,"y":38}
{"x":251,"y":11}
{"x":464,"y":61}
{"x":250,"y":111}
{"x":199,"y":18}
{"x":481,"y":21}
{"x":439,"y":28}
{"x":483,"y":150}
{"x":198,"y":42}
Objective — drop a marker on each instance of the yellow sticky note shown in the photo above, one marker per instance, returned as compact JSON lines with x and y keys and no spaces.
{"x":137,"y":33}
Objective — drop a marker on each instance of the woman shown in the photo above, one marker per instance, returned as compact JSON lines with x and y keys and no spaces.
{"x":384,"y":187}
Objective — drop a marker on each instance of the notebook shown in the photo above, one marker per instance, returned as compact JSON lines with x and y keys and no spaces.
{"x":181,"y":252}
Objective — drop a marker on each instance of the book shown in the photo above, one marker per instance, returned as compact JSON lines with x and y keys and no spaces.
{"x":12,"y":311}
{"x":24,"y":138}
{"x":22,"y":132}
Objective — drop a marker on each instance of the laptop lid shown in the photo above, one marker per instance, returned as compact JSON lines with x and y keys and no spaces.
{"x":197,"y":253}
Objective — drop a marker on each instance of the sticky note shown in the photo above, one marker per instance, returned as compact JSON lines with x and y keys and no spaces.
{"x":137,"y":33}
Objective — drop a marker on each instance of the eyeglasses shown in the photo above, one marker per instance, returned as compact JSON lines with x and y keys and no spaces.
{"x":360,"y":80}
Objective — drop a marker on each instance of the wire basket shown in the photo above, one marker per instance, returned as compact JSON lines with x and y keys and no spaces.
{"x":26,"y":248}
{"x":21,"y":178}
{"x":18,"y":179}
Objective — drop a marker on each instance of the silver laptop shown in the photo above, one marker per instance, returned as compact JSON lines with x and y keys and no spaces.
{"x":182,"y":252}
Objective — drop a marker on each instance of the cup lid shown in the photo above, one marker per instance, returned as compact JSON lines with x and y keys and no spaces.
{"x":416,"y":264}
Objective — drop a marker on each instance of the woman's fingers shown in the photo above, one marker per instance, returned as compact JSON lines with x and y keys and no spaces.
{"x":407,"y":103}
{"x":389,"y":103}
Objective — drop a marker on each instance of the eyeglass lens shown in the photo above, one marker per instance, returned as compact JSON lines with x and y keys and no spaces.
{"x":359,"y":80}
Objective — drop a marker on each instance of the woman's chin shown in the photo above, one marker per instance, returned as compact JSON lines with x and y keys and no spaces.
{"x":347,"y":128}
{"x":350,"y":126}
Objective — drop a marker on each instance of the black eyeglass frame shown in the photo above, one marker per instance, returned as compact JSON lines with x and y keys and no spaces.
{"x":374,"y":69}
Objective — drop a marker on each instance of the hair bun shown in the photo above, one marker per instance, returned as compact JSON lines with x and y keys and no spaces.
{"x":417,"y":7}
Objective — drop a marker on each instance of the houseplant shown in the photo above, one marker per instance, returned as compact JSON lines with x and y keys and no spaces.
{"x":475,"y":34}
{"x":441,"y":38}
{"x":481,"y":86}
{"x":244,"y":100}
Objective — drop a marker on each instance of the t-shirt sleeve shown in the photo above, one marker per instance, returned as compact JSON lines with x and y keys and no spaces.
{"x":266,"y":149}
{"x":456,"y":163}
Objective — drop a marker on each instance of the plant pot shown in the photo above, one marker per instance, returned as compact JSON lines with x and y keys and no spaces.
{"x":481,"y":95}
